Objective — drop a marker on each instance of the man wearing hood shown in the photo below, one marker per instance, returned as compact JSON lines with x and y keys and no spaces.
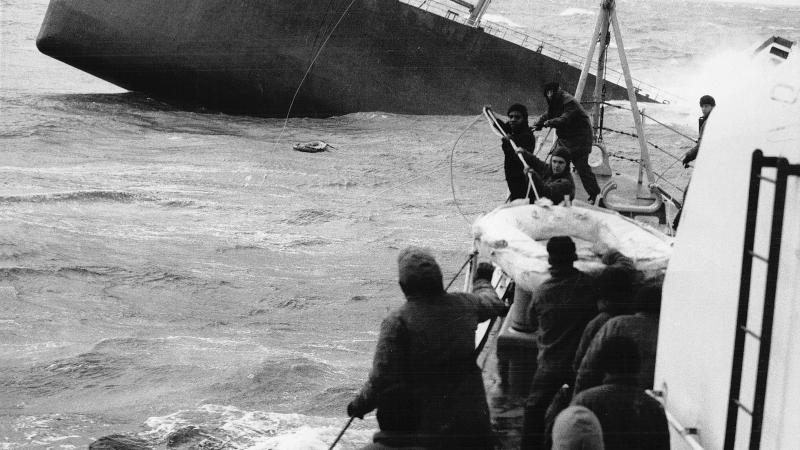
{"x":520,"y":132}
{"x":427,"y":344}
{"x":574,"y":132}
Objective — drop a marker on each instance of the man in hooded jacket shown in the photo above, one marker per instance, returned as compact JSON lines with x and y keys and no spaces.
{"x":574,"y":132}
{"x":428,"y":344}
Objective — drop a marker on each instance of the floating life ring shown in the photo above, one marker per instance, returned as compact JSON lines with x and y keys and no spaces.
{"x":311,"y":147}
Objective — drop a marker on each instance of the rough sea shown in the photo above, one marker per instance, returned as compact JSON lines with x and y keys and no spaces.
{"x":162,"y":268}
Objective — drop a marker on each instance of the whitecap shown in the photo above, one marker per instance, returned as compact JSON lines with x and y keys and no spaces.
{"x":501,"y":20}
{"x":261,"y":429}
{"x":576,"y":12}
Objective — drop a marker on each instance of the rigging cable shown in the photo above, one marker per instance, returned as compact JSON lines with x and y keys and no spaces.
{"x":305,"y":75}
{"x":673,"y":129}
{"x":652,"y":144}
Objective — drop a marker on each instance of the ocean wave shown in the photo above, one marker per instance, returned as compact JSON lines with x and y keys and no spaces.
{"x":101,"y":195}
{"x":311,"y":216}
{"x":84,"y":370}
{"x":65,"y":271}
{"x":19,"y":249}
{"x":282,"y":380}
{"x":308,"y":242}
{"x":501,"y":20}
{"x":178,"y":203}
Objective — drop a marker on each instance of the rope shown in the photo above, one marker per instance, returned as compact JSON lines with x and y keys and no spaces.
{"x":305,"y":75}
{"x":424,"y":174}
{"x":452,"y":182}
{"x":436,"y":169}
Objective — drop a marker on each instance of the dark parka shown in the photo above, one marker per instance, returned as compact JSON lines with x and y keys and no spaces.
{"x":514,"y":170}
{"x":608,"y":306}
{"x":428,"y":344}
{"x":572,"y":124}
{"x":561,"y":307}
{"x":642,"y":328}
{"x":384,"y":440}
{"x":691,"y":155}
{"x":630,"y":419}
{"x":574,"y":131}
{"x":551,"y":185}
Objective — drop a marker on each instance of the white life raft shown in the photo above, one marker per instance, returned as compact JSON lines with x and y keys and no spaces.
{"x":514,"y":238}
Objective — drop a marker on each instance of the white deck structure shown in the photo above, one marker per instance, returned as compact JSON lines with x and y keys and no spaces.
{"x":702,"y":286}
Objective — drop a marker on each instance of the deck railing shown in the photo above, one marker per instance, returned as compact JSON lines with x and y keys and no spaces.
{"x":453,"y":12}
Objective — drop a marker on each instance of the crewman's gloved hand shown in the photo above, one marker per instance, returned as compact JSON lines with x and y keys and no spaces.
{"x":353,"y":410}
{"x":484,"y":271}
{"x":687,"y":158}
{"x":548,"y":123}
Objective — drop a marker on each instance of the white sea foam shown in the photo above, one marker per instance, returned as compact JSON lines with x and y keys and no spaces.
{"x":576,"y":12}
{"x":500,"y":20}
{"x":260,"y":430}
{"x":709,"y":75}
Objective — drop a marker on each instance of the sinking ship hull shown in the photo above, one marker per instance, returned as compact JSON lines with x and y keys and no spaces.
{"x":250,"y":56}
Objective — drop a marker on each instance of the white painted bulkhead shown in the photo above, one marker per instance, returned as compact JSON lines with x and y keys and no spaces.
{"x":760,"y":109}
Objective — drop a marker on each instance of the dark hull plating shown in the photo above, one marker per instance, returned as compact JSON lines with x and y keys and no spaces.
{"x":248,"y":56}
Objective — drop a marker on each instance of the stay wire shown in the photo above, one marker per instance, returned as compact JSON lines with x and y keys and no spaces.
{"x":673,"y":129}
{"x":650,"y":143}
{"x":305,"y":75}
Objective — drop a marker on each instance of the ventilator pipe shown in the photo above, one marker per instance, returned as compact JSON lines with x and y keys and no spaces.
{"x":636,"y":209}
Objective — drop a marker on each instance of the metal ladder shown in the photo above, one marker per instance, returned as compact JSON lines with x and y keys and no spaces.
{"x":783,"y":171}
